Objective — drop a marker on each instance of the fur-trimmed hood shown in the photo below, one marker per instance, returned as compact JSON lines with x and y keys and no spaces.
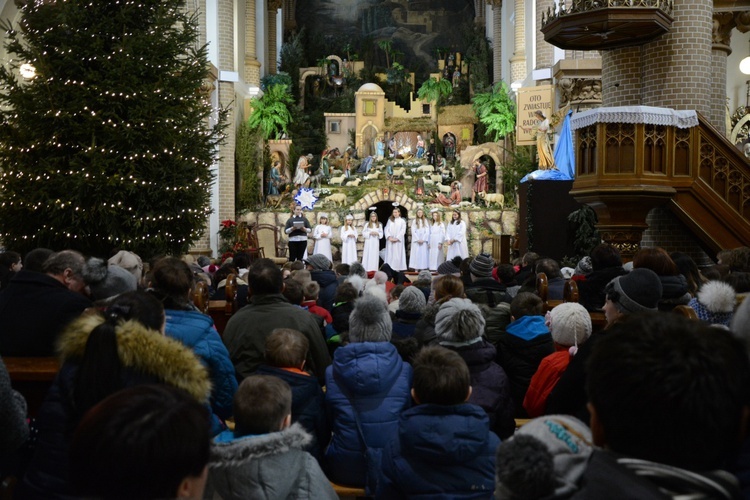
{"x":142,"y":350}
{"x":230,"y":451}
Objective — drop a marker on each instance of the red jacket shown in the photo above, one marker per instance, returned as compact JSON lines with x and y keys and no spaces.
{"x":314,"y":308}
{"x":544,"y":380}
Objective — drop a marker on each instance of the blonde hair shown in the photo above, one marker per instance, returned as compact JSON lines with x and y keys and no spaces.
{"x":420,"y":221}
{"x":373,"y":224}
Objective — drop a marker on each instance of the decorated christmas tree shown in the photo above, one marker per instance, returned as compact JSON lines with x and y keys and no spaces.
{"x":110,"y":142}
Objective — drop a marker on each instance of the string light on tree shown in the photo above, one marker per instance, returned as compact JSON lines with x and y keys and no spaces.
{"x":121,"y":148}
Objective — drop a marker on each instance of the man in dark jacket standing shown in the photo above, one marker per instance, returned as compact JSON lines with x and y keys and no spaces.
{"x":246,"y":332}
{"x":35,"y":307}
{"x":483,"y":288}
{"x":321,"y":272}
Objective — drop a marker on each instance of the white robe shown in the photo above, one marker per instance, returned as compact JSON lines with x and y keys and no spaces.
{"x":371,"y":251}
{"x":437,"y":237}
{"x":419,"y":254}
{"x":395,"y":252}
{"x":322,"y":243}
{"x":348,"y":245}
{"x":459,"y":247}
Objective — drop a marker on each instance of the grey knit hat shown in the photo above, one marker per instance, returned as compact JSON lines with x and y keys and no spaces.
{"x":639,"y":290}
{"x":318,"y":262}
{"x":448,"y":267}
{"x":459,"y":321}
{"x":482,"y":265}
{"x":412,"y":300}
{"x":424,"y":275}
{"x":370,"y":321}
{"x":107,"y":281}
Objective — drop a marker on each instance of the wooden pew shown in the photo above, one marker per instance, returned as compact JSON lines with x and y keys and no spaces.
{"x":221,"y":310}
{"x":32,"y":377}
{"x":570,"y":292}
{"x":348,"y":491}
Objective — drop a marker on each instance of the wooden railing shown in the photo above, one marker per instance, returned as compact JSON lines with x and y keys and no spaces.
{"x":697,"y":172}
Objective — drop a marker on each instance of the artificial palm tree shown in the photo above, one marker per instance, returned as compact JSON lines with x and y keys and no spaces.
{"x":433,"y":90}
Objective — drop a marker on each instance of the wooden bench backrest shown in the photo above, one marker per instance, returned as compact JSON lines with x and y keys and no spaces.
{"x":201,"y":296}
{"x":32,"y":377}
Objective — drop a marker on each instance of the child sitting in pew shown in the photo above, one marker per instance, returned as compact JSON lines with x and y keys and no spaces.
{"x":264,"y":456}
{"x":286,"y":352}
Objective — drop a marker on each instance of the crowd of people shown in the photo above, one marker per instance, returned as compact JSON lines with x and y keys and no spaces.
{"x":409,"y":389}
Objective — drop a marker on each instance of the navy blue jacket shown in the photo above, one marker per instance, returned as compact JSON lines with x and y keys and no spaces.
{"x":308,"y":406}
{"x":490,"y":387}
{"x":328,"y":285}
{"x":368,"y":378}
{"x":442,"y":452}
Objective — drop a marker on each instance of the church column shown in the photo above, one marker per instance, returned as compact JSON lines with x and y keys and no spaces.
{"x":273,"y":7}
{"x":289,"y":10}
{"x":479,"y":12}
{"x":226,"y":99}
{"x":544,"y":51}
{"x":677,"y":67}
{"x":497,"y":39}
{"x":252,"y":66}
{"x":723,"y":22}
{"x":518,"y":61}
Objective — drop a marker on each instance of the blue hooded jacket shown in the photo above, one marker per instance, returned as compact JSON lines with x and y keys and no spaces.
{"x":442,"y":452}
{"x":368,"y":378}
{"x":197,"y":331}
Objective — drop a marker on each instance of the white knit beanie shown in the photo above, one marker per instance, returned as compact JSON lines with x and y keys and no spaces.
{"x":570,"y":324}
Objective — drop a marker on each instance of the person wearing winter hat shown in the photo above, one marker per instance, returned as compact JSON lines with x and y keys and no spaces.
{"x":459,"y":326}
{"x":368,"y":386}
{"x":424,"y":283}
{"x":544,"y":458}
{"x":524,"y":343}
{"x":411,"y":304}
{"x":448,"y":267}
{"x":483,"y":288}
{"x":637,"y":291}
{"x":318,"y":262}
{"x":582,"y":269}
{"x":715,"y":303}
{"x":128,"y":261}
{"x":570,"y":325}
{"x":321,"y":272}
{"x":107,"y":281}
{"x":444,"y":447}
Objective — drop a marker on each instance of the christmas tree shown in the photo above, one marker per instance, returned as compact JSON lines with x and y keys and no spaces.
{"x":110,"y":143}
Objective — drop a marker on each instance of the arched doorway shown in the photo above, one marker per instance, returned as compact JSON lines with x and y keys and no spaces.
{"x":384,"y":209}
{"x":489,"y":162}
